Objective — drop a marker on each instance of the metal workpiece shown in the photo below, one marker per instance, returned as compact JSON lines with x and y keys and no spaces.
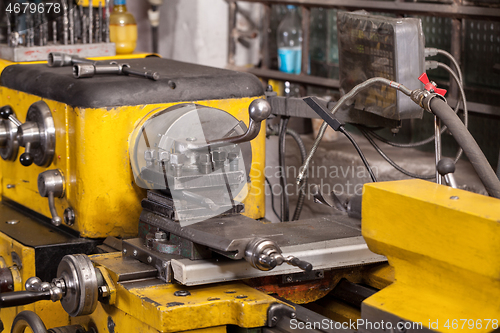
{"x":37,"y":135}
{"x":51,"y":185}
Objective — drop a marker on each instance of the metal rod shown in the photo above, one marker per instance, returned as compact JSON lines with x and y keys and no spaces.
{"x":306,"y":22}
{"x":101,"y":23}
{"x":106,"y":27}
{"x":437,"y":146}
{"x":71,"y":23}
{"x":98,"y":34}
{"x":91,"y":21}
{"x":54,"y":31}
{"x":65,"y":22}
{"x":232,"y":26}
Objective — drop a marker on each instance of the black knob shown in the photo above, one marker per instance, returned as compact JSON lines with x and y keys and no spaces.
{"x":6,"y":111}
{"x":26,"y":159}
{"x":445,"y":166}
{"x":304,"y":265}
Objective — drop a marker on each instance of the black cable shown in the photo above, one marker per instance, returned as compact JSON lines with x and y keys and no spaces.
{"x":285,"y":210}
{"x":272,"y":199}
{"x":363,"y":158}
{"x":390,"y":161}
{"x":303,"y":156}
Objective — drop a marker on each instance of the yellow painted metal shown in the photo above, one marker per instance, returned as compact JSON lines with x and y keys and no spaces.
{"x":156,"y":308}
{"x":51,"y":313}
{"x":92,"y":153}
{"x":443,"y":244}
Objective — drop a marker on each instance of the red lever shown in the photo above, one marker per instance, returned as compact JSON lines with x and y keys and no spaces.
{"x":429,"y":86}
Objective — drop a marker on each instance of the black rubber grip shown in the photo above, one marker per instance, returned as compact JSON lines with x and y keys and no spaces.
{"x":18,"y":298}
{"x":304,"y":265}
{"x":6,"y":111}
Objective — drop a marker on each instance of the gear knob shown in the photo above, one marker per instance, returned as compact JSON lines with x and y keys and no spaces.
{"x":446,"y":168}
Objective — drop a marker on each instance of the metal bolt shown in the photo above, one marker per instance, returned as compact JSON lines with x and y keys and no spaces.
{"x":454,"y":197}
{"x":104,"y":291}
{"x":160,"y":235}
{"x":182,"y":293}
{"x":205,"y":165}
{"x":219,"y":157}
{"x":233,"y":161}
{"x":150,"y":156}
{"x":9,"y":186}
{"x":163,"y":156}
{"x":124,"y":251}
{"x":293,"y":315}
{"x":274,"y":319}
{"x":289,"y":279}
{"x":135,"y":253}
{"x":164,"y":264}
{"x":191,"y":139}
{"x":150,"y":260}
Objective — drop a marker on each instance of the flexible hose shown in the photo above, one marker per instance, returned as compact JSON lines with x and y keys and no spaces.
{"x":390,"y":161}
{"x":354,"y":91}
{"x":430,"y":139}
{"x":488,"y":177}
{"x":303,"y":155}
{"x":25,"y":319}
{"x":285,"y":210}
{"x":358,"y":149}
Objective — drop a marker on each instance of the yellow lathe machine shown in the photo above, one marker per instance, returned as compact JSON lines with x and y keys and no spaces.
{"x":132,"y":204}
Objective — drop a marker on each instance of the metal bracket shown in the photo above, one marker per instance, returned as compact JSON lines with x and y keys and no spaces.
{"x":277,"y":311}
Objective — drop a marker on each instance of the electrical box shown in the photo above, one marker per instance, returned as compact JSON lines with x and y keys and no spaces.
{"x":379,"y":46}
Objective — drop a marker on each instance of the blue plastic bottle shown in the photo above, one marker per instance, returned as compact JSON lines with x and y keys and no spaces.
{"x":290,"y":42}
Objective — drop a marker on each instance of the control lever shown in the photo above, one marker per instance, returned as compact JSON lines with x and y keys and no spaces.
{"x":7,"y":113}
{"x":259,"y":110}
{"x":85,"y":70}
{"x":265,"y":254}
{"x":51,"y":185}
{"x":446,"y":168}
{"x":77,"y":287}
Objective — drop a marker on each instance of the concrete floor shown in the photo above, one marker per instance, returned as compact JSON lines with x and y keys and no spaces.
{"x":337,"y":166}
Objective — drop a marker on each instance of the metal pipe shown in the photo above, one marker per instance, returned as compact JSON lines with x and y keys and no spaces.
{"x":106,"y":27}
{"x":437,"y":146}
{"x":354,"y":91}
{"x":91,"y":21}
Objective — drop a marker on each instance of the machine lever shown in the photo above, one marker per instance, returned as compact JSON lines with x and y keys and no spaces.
{"x":446,"y":168}
{"x":18,"y":298}
{"x":84,"y":70}
{"x":7,"y":113}
{"x":304,"y":265}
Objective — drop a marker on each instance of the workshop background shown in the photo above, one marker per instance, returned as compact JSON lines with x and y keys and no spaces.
{"x":198,"y":31}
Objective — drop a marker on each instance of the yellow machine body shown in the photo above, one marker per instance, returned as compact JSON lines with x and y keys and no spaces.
{"x":92,"y":153}
{"x":443,"y":244}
